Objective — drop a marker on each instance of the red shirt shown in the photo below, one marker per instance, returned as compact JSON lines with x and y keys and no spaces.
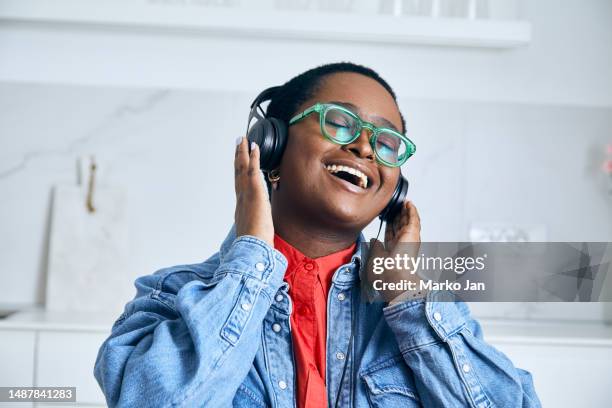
{"x":309,"y":281}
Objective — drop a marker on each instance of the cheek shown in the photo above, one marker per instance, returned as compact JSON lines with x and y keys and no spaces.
{"x":303,"y":153}
{"x":390,"y":179}
{"x":308,"y":141}
{"x":296,"y":165}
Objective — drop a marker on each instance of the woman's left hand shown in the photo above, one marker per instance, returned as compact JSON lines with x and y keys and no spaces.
{"x":405,"y":229}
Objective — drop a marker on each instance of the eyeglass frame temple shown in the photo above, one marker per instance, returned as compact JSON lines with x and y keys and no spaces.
{"x":315,"y":108}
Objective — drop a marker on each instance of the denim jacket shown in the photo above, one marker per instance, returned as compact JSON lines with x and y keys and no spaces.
{"x":218,"y":334}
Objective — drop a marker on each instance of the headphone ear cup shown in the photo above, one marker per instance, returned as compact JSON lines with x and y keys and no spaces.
{"x":263,"y":133}
{"x":269,"y":133}
{"x":279,"y":129}
{"x":396,"y":202}
{"x":271,"y":136}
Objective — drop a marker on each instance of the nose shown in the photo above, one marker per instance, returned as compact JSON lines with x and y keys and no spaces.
{"x":361,"y":147}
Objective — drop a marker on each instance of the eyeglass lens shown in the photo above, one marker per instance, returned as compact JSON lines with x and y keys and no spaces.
{"x":342,"y":127}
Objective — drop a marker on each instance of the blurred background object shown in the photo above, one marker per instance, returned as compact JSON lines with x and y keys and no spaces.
{"x":607,"y":166}
{"x":509,"y":102}
{"x":88,"y":245}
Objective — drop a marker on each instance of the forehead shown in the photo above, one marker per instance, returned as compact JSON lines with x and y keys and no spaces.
{"x":369,"y":96}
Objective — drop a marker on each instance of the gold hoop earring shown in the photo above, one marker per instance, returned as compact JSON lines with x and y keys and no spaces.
{"x":273,"y":176}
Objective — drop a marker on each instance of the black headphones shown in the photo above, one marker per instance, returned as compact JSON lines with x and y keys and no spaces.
{"x":271,"y":136}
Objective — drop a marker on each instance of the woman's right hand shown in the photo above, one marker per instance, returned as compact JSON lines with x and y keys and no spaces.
{"x":253,"y":214}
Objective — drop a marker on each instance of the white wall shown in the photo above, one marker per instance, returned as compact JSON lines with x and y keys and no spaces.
{"x":504,"y":136}
{"x":568,"y":61}
{"x":172,"y":152}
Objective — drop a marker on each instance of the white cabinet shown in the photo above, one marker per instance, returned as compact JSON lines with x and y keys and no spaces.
{"x":47,"y":349}
{"x":66,"y":359}
{"x":17,"y":358}
{"x":16,"y":361}
{"x":566,"y":376}
{"x":571,"y":363}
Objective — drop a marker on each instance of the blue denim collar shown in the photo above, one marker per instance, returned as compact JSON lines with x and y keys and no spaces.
{"x":345,"y":275}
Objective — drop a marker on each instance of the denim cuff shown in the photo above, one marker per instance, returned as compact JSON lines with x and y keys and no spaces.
{"x":253,"y":257}
{"x":420,"y":322}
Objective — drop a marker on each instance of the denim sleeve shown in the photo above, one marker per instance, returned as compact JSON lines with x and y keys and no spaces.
{"x":192,"y":345}
{"x":453,"y":366}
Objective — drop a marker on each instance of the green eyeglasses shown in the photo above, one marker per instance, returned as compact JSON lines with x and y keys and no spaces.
{"x":341,"y":126}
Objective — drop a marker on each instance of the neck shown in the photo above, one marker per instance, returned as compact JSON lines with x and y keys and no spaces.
{"x":312,"y":240}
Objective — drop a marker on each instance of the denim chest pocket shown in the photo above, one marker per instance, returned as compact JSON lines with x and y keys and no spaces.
{"x":248,"y":398}
{"x":390,"y":384}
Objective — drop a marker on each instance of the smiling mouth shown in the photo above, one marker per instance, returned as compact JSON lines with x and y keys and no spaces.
{"x":349,"y":174}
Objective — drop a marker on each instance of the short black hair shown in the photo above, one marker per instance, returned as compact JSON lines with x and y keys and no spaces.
{"x":292,"y":94}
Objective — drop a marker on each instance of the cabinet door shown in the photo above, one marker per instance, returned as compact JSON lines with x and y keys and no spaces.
{"x":17,"y":361}
{"x":566,"y":376}
{"x":67,"y":359}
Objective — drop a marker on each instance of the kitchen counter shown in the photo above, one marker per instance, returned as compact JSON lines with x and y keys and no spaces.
{"x":42,"y":348}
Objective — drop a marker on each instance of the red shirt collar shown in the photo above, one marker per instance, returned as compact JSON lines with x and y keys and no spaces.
{"x":327,"y":264}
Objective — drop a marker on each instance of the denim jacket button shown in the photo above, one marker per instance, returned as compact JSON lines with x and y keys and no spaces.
{"x":437,"y":316}
{"x":466,"y":368}
{"x":246,"y":306}
{"x":341,"y":296}
{"x":282,"y":385}
{"x":279,"y":298}
{"x":276,"y":327}
{"x":340,"y":355}
{"x":260,"y":266}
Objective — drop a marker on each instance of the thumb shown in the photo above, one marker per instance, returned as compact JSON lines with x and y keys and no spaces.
{"x":377,"y":250}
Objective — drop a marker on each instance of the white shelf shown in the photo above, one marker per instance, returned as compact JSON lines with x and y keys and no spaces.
{"x":518,"y":332}
{"x":550,"y":333}
{"x":190,"y":18}
{"x":40,"y":319}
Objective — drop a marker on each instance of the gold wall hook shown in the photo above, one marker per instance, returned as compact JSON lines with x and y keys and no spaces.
{"x":90,"y":186}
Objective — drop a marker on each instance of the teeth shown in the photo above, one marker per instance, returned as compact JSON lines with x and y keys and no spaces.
{"x":363,"y":179}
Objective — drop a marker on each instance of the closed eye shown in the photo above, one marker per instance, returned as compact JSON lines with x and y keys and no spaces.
{"x":389,"y":143}
{"x":338,"y":124}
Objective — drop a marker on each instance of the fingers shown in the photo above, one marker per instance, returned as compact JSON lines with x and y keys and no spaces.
{"x":255,"y":172}
{"x":414,"y":219}
{"x":377,"y":248}
{"x":411,"y":224}
{"x":254,"y":160}
{"x":397,"y":225}
{"x":407,"y":225}
{"x":241,"y":162}
{"x":246,"y":168}
{"x":404,"y":216}
{"x":389,"y":234}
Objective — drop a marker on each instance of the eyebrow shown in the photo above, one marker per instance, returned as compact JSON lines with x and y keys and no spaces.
{"x":384,"y":121}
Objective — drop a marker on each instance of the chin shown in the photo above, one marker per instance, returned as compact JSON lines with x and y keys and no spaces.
{"x":347,"y":216}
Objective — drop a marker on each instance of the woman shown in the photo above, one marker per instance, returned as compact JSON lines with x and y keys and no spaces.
{"x":277,"y":317}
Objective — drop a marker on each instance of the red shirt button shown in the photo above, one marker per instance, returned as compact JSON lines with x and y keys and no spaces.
{"x":309,"y":266}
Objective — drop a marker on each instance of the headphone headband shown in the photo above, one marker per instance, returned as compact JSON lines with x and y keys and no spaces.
{"x":265,"y":95}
